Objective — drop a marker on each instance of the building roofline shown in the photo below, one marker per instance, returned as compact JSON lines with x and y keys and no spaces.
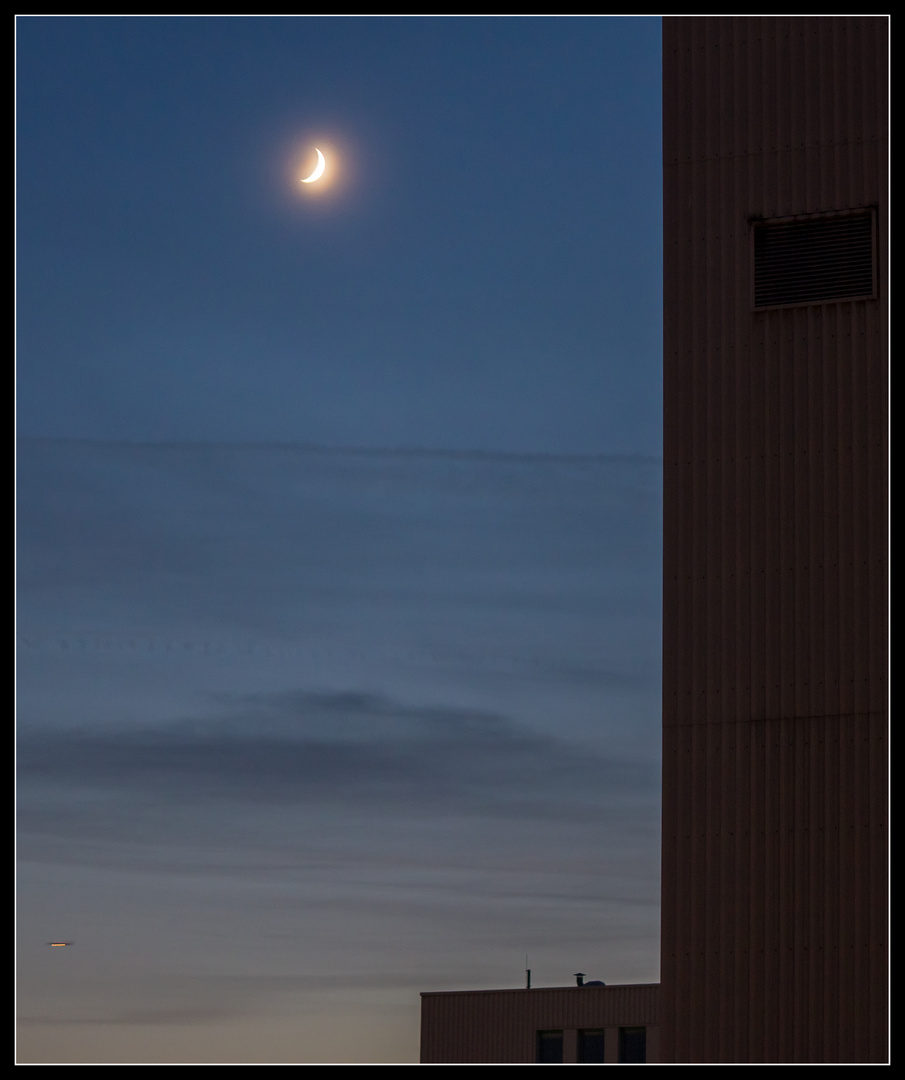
{"x":534,"y":989}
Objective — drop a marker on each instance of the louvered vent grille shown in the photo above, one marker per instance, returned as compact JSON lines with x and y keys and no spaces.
{"x":806,"y":262}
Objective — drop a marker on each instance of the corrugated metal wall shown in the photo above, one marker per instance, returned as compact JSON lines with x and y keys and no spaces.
{"x":500,"y":1026}
{"x":775,"y":587}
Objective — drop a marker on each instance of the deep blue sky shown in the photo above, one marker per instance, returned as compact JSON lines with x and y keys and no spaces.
{"x":339,"y":525}
{"x":485,"y":273}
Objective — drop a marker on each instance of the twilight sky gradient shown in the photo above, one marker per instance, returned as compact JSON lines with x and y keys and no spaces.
{"x":339,"y":525}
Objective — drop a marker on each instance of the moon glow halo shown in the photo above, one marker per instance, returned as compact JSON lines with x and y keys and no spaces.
{"x":318,"y":168}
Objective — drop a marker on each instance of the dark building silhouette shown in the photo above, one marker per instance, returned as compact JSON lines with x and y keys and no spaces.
{"x":775,"y":654}
{"x":590,"y":1024}
{"x":774,"y":888}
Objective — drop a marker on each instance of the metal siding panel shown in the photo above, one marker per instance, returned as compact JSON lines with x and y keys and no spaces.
{"x":877,"y":933}
{"x":754,"y":568}
{"x":762,"y":907}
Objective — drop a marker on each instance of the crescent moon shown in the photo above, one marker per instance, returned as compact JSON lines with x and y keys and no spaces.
{"x":318,"y":169}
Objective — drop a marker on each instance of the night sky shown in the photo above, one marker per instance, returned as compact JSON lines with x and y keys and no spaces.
{"x":339,"y":525}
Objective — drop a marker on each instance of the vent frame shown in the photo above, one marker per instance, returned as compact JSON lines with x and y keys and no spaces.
{"x":767,"y":297}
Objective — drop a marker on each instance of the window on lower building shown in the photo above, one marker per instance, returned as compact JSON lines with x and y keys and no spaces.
{"x":590,"y":1046}
{"x":549,"y":1047}
{"x":632,"y":1046}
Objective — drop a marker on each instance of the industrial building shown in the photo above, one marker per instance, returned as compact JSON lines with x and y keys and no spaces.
{"x":775,"y":647}
{"x":774,"y":866}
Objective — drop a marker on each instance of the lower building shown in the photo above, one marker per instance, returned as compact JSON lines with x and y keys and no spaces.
{"x":561,"y":1024}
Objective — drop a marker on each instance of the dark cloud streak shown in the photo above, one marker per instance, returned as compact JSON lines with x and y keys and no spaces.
{"x":350,"y":748}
